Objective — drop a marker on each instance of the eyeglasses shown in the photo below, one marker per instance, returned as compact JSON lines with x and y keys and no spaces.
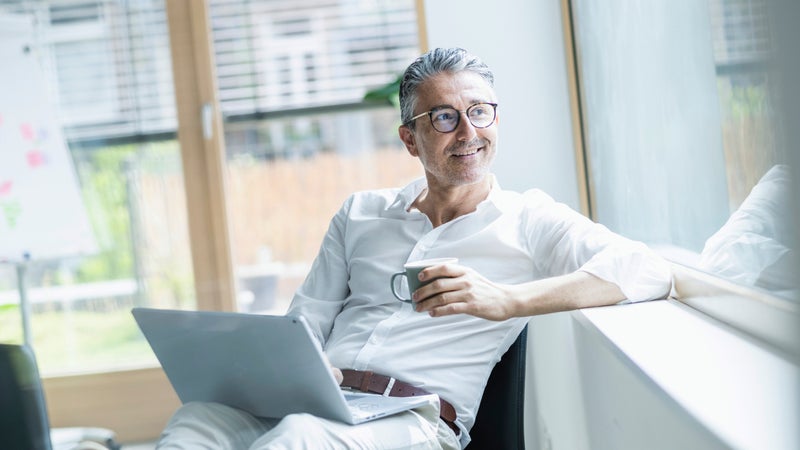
{"x":446,"y":120}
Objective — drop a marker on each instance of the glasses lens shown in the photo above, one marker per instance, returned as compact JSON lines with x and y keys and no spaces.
{"x":444,"y":120}
{"x":481,"y":115}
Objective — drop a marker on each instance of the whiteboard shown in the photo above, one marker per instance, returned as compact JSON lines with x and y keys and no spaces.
{"x":41,"y":211}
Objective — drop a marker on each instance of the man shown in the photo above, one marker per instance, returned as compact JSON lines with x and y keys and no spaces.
{"x":519,"y":255}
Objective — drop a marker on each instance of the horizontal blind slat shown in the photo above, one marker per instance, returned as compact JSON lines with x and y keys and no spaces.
{"x":108,"y":61}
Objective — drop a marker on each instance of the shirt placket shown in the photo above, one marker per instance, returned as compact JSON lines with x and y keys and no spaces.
{"x":383,"y":329}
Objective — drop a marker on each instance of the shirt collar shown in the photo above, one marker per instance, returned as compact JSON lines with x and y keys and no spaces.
{"x":405,"y":198}
{"x":407,"y":195}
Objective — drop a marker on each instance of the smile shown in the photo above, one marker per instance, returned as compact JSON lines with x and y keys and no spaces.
{"x":468,"y":152}
{"x":467,"y":149}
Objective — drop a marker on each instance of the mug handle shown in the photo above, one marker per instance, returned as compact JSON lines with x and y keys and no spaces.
{"x":394,"y":291}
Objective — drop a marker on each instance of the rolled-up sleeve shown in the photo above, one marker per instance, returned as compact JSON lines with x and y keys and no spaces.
{"x":571,"y":242}
{"x":634,"y":268}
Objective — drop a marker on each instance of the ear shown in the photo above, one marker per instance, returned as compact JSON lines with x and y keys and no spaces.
{"x":409,"y":140}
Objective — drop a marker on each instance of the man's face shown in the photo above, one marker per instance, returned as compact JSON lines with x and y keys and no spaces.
{"x":464,"y":155}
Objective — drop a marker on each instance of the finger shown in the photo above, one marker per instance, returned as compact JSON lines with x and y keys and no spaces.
{"x":448,"y":310}
{"x":337,"y":373}
{"x":440,"y":300}
{"x":437,"y":287}
{"x":441,"y":270}
{"x":488,"y":312}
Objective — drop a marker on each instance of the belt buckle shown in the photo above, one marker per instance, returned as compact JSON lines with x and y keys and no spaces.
{"x":389,"y":386}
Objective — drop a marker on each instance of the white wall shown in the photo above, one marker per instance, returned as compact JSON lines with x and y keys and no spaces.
{"x":554,"y":408}
{"x":522,"y":42}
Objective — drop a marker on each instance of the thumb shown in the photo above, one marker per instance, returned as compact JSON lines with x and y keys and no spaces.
{"x":337,"y":373}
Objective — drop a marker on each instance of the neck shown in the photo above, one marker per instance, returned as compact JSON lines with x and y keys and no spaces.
{"x":442,"y":205}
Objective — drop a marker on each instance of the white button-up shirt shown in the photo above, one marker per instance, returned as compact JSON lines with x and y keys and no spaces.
{"x":510,"y":238}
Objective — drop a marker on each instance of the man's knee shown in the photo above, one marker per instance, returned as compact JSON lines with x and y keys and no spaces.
{"x":211,"y":425}
{"x":301,"y":422}
{"x":210,"y":418}
{"x":193,"y":410}
{"x":299,"y":431}
{"x":196,"y":407}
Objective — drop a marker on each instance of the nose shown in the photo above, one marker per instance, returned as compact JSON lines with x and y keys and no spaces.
{"x":465,"y":131}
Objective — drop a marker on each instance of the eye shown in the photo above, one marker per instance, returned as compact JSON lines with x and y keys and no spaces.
{"x":479,"y":111}
{"x":446,"y":115}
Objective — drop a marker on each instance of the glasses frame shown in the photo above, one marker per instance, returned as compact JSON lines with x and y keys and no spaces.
{"x":458,"y":117}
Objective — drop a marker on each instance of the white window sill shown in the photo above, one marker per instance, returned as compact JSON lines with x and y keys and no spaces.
{"x":743,"y":393}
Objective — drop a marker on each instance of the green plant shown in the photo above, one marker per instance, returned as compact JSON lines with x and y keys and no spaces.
{"x":389,"y":93}
{"x":105,"y":196}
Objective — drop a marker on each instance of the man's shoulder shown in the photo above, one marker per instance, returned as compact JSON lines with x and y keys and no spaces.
{"x":383,"y":195}
{"x":536,"y":196}
{"x":529,"y":199}
{"x":372,"y":200}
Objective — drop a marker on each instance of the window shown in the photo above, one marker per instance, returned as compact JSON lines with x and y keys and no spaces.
{"x":681,"y":134}
{"x":291,"y":80}
{"x":298,"y":134}
{"x":105,"y":66}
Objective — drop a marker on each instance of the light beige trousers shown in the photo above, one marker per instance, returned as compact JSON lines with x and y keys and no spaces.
{"x":214,"y":426}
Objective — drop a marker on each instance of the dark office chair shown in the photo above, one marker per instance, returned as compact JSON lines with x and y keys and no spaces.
{"x":24,"y":424}
{"x":499,"y":423}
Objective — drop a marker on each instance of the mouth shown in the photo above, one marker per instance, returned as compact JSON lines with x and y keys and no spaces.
{"x":466,"y":152}
{"x":467,"y":149}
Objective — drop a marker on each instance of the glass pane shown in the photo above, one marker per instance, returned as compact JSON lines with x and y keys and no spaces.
{"x":299,"y":137}
{"x":116,"y":121}
{"x":682,"y":134}
{"x":287,"y":178}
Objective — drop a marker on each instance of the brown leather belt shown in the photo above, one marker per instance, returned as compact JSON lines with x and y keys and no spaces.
{"x":368,"y":381}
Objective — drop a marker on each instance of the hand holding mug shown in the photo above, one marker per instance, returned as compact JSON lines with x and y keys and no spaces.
{"x":411,"y":273}
{"x":460,"y":290}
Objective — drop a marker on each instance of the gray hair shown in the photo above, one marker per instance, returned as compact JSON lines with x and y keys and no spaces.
{"x":436,"y":61}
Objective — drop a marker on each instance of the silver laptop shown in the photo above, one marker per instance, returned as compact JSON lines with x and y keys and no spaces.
{"x":270,"y":366}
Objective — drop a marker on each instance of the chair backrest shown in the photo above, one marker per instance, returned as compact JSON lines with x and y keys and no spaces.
{"x":499,"y":423}
{"x":23,"y":412}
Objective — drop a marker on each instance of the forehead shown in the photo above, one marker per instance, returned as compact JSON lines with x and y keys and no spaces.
{"x":454,"y":89}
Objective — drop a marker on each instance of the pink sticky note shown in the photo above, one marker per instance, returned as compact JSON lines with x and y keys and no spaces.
{"x":35,"y":158}
{"x":5,"y":187}
{"x":26,"y":130}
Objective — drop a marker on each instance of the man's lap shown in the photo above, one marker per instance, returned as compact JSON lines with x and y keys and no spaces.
{"x":211,"y":425}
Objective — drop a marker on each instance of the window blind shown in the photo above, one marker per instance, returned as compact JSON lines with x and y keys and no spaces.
{"x":740,"y":31}
{"x":110,"y":76}
{"x":107,"y":64}
{"x":277,"y":55}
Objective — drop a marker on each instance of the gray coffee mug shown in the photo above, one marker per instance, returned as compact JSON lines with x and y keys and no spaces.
{"x":411,"y":273}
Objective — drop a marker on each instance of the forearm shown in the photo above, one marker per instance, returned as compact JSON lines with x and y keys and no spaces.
{"x":460,"y":290}
{"x":562,"y":293}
